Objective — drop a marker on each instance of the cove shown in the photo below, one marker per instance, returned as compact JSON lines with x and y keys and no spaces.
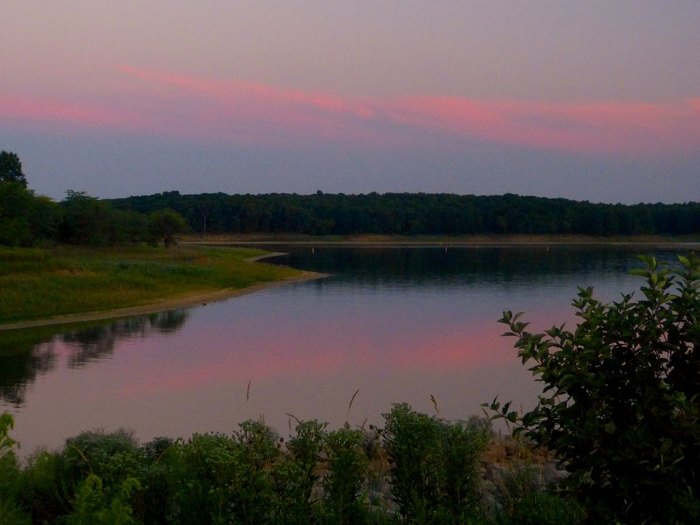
{"x":415,"y":325}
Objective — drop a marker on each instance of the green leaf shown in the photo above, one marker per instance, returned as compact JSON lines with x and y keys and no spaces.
{"x":639,"y":272}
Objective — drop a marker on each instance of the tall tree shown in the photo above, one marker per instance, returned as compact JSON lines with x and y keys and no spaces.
{"x":85,"y":219}
{"x":165,"y":224}
{"x":11,"y":169}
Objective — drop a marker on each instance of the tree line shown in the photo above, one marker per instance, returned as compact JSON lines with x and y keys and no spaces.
{"x":415,"y":214}
{"x":27,"y":219}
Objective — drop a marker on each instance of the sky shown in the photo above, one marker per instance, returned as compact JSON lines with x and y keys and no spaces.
{"x":594,"y":100}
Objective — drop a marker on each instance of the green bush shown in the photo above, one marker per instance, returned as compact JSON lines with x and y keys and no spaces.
{"x":434,"y":465}
{"x":92,"y":451}
{"x":621,"y":399}
{"x":94,"y":506}
{"x":11,"y":512}
{"x":47,"y":485}
{"x":201,"y":475}
{"x":347,"y":466}
{"x":297,"y":475}
{"x":250,"y":477}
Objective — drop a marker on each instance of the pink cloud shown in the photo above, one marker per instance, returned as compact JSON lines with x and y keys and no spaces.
{"x":240,"y":91}
{"x":610,"y":127}
{"x":239,"y":112}
{"x":25,"y":108}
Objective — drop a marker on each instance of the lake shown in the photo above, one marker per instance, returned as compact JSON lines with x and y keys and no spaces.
{"x":415,"y":325}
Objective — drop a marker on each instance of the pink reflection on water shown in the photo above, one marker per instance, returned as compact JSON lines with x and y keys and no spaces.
{"x":284,"y":352}
{"x":306,"y":350}
{"x":455,"y":350}
{"x":266,"y":365}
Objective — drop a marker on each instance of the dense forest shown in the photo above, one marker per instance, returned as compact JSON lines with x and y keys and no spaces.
{"x":415,"y":214}
{"x":28,"y":219}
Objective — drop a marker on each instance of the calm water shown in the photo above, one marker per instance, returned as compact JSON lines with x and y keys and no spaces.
{"x":397,"y":325}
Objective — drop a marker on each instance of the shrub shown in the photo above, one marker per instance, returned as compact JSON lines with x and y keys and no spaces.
{"x":201,"y":475}
{"x":94,"y":506}
{"x":253,"y":489}
{"x":347,"y":465}
{"x":621,"y":399}
{"x":92,"y":451}
{"x":47,"y":486}
{"x":297,"y":475}
{"x":11,"y":512}
{"x":434,"y":465}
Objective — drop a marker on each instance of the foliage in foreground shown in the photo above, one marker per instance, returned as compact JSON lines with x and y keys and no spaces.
{"x":621,"y":399}
{"x":420,"y":470}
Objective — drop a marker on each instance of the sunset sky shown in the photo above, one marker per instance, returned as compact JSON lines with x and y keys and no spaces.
{"x":591,"y":100}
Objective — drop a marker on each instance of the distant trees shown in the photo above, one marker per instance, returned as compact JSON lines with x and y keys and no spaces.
{"x":11,"y":169}
{"x":27,"y":219}
{"x":90,"y":221}
{"x":84,"y":220}
{"x":15,"y":203}
{"x":416,"y":214}
{"x":24,"y":217}
{"x":165,"y":224}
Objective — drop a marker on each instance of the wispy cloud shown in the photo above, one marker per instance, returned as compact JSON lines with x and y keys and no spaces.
{"x":29,"y":110}
{"x":235,"y":111}
{"x":239,"y":111}
{"x":606,"y":127}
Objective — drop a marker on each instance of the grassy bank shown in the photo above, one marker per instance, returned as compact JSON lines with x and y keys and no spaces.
{"x":43,"y":283}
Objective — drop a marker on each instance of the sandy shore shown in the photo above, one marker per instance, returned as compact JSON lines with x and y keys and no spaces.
{"x":170,"y":303}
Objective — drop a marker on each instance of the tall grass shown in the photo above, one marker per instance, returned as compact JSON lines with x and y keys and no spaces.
{"x":40,"y":283}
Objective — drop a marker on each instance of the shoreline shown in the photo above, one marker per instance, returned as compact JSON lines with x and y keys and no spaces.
{"x":195,"y":299}
{"x":172,"y":303}
{"x":382,"y":241}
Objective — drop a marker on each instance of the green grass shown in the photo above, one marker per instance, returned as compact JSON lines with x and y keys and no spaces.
{"x":41,"y":283}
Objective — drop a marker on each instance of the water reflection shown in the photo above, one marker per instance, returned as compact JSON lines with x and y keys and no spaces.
{"x":400,"y":325}
{"x":27,"y":354}
{"x":97,"y":342}
{"x":446,"y":265}
{"x":19,"y":370}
